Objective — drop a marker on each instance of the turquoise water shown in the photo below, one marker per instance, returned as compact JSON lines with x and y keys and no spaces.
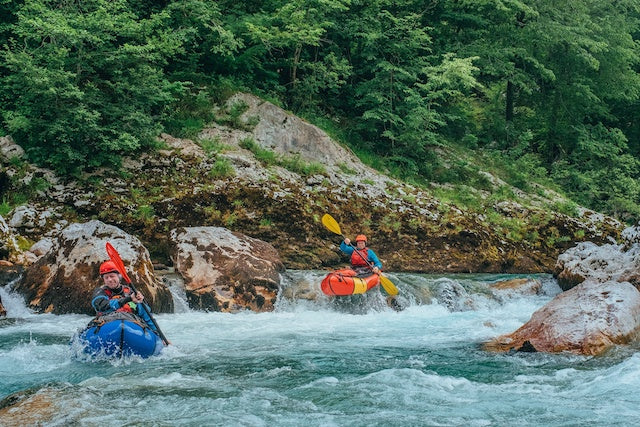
{"x":316,"y":364}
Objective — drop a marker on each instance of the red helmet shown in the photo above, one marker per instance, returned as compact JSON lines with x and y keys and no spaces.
{"x":361,"y":237}
{"x":108,"y":267}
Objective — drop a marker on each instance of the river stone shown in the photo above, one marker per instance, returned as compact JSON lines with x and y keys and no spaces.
{"x":41,"y":247}
{"x":9,"y":149}
{"x":63,"y":280}
{"x":599,"y":263}
{"x":587,"y":319}
{"x":506,"y":289}
{"x":224,"y":270}
{"x":453,"y":295}
{"x":9,"y":249}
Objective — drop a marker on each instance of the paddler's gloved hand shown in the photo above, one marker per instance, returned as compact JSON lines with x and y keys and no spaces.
{"x":137,"y":297}
{"x":124,"y":301}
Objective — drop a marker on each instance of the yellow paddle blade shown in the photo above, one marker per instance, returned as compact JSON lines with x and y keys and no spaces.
{"x":331,"y":224}
{"x":388,"y":285}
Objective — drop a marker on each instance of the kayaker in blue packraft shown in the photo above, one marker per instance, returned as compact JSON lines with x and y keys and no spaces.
{"x":114,"y":297}
{"x":363,"y":259}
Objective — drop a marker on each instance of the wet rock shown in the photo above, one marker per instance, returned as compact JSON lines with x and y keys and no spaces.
{"x":527,"y":347}
{"x":453,"y":295}
{"x":32,"y":407}
{"x":226,"y":271}
{"x":303,"y":290}
{"x":505,"y":289}
{"x":63,"y":280}
{"x":587,"y":319}
{"x":9,"y":272}
{"x":599,"y":263}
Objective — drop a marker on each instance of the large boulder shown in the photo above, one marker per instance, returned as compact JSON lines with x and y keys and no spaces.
{"x":601,"y":263}
{"x":588,"y":320}
{"x":63,"y":280}
{"x":287,"y":134}
{"x":226,"y":271}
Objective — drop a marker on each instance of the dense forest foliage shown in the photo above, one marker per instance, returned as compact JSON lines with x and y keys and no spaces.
{"x":551,"y":89}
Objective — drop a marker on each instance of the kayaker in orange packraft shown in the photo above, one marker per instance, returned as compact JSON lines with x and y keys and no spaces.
{"x":363,"y":259}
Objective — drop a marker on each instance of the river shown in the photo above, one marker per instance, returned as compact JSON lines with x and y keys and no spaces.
{"x":315,"y":363}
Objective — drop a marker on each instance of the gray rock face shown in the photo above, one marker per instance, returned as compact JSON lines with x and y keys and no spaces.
{"x":226,"y":271}
{"x":9,"y":149}
{"x":63,"y":279}
{"x":284,"y":133}
{"x":7,"y":240}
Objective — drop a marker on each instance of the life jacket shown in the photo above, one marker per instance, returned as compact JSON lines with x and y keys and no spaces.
{"x":360,"y":257}
{"x":112,"y":295}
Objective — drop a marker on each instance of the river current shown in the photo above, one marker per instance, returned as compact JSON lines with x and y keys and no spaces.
{"x":318,"y":363}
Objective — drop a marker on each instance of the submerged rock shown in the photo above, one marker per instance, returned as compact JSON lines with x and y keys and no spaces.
{"x":506,"y":289}
{"x":453,"y":295}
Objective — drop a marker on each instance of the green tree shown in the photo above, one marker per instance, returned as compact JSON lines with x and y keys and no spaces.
{"x":590,"y":50}
{"x":293,"y":34}
{"x":402,"y":93}
{"x":84,"y":81}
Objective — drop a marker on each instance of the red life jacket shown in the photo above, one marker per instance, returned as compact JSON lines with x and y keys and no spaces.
{"x":361,"y":260}
{"x":125,"y":292}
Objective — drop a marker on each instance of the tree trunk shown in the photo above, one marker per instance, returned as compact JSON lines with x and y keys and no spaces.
{"x":509,"y":105}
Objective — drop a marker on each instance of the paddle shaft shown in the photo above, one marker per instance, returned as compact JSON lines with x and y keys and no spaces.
{"x":332,"y":225}
{"x":369,"y":263}
{"x":148,"y":310}
{"x":115,"y":257}
{"x":386,"y":283}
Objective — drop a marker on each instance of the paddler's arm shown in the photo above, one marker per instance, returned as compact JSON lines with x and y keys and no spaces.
{"x":375,"y":262}
{"x":346,"y":247}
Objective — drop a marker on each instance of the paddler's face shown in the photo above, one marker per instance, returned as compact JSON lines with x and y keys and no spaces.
{"x":361,"y":244}
{"x":112,"y":280}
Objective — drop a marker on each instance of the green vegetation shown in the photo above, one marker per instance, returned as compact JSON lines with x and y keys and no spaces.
{"x":266,"y":222}
{"x":211,"y":146}
{"x":5,"y":207}
{"x":533,"y":92}
{"x":222,"y":168}
{"x":292,"y":163}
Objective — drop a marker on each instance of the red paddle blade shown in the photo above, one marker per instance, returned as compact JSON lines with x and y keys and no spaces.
{"x":115,"y":257}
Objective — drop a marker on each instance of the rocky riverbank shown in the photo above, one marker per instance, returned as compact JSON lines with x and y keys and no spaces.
{"x":271,"y":176}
